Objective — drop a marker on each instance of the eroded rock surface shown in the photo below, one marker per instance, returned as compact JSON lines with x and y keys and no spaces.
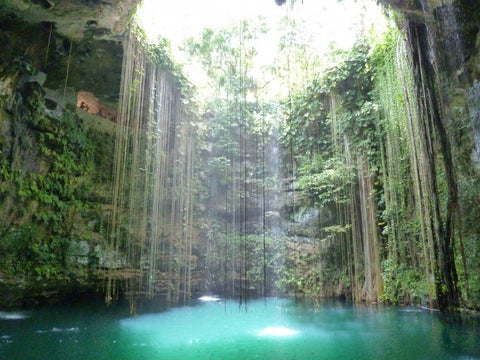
{"x":75,"y":19}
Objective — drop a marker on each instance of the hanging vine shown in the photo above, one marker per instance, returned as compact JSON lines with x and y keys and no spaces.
{"x":151,"y":236}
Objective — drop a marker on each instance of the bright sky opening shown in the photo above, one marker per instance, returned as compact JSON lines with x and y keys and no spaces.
{"x":325,"y":23}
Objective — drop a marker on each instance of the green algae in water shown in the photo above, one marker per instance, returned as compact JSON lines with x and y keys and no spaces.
{"x":272,"y":329}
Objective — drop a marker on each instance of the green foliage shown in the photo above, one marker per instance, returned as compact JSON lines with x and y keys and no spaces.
{"x":239,"y":125}
{"x":403,"y":285}
{"x":338,"y":121}
{"x":358,"y":117}
{"x":227,"y":56}
{"x":160,"y":54}
{"x":23,"y":254}
{"x":469,"y":278}
{"x":307,"y":124}
{"x":52,"y":190}
{"x":351,"y":76}
{"x":313,"y":126}
{"x":289,"y":267}
{"x":320,"y":182}
{"x":301,"y":272}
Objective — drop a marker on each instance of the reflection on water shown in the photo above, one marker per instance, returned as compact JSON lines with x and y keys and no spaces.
{"x":273,"y":329}
{"x":208,"y":298}
{"x":277,"y":331}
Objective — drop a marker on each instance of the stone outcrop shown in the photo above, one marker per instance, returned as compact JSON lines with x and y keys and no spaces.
{"x":54,"y":55}
{"x":76,"y":43}
{"x":86,"y":101}
{"x":75,"y":19}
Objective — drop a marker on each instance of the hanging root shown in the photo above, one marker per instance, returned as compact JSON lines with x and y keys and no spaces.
{"x":68,"y":71}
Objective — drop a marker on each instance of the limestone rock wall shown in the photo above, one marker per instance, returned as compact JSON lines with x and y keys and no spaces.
{"x":74,"y":19}
{"x":55,"y":159}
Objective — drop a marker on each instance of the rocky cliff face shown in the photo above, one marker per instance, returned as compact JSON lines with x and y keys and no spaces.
{"x":55,"y":155}
{"x":76,"y":19}
{"x":76,"y":43}
{"x":456,"y":21}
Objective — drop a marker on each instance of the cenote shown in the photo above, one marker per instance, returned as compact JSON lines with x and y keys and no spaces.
{"x":270,"y":328}
{"x":278,"y":153}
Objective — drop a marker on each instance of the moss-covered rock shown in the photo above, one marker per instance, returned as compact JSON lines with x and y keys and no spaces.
{"x":55,"y":176}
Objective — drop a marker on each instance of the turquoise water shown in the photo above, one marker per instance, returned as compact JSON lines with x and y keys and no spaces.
{"x":273,"y":329}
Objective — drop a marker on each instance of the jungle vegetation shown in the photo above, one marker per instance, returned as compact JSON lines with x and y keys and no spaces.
{"x":343,"y":175}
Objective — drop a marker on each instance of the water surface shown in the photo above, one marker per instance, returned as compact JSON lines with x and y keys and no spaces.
{"x":273,"y":329}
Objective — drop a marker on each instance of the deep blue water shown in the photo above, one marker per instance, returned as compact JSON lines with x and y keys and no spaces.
{"x":273,"y":329}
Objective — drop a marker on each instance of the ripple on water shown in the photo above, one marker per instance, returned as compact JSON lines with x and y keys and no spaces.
{"x":13,"y":315}
{"x":58,"y":330}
